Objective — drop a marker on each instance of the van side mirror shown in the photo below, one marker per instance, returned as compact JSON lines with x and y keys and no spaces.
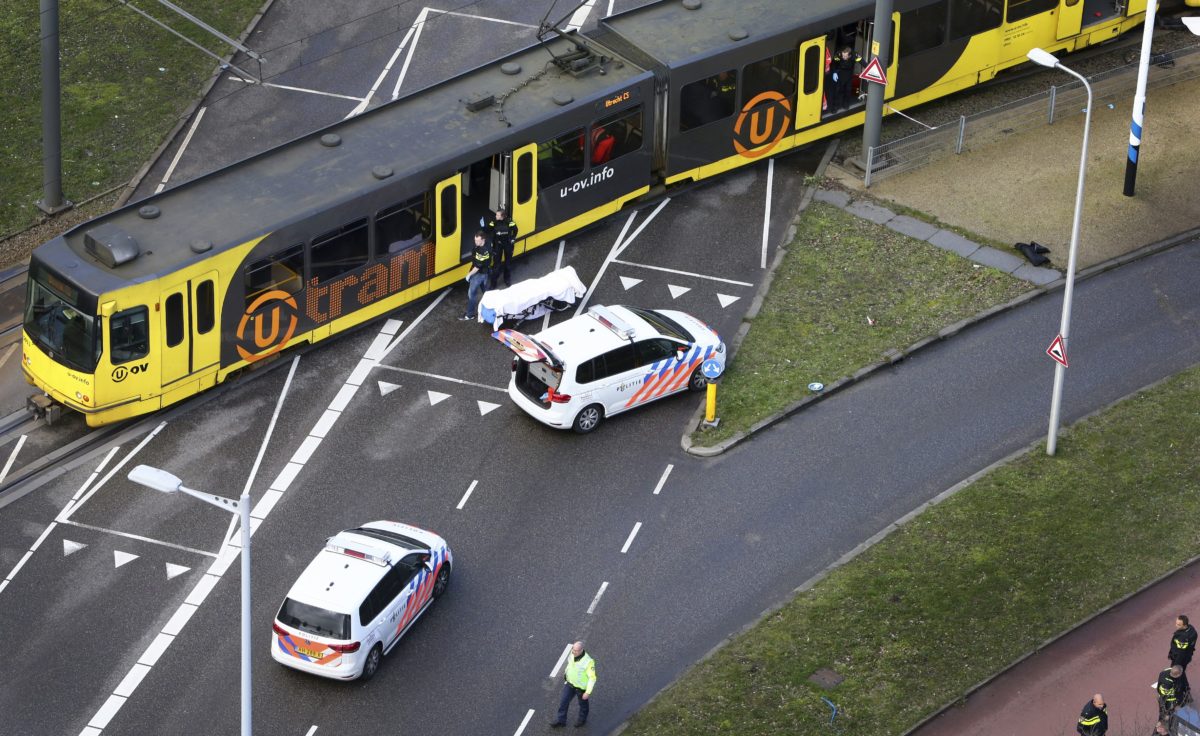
{"x":428,"y":563}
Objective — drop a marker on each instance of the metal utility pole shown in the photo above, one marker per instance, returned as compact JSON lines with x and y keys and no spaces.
{"x":52,"y":201}
{"x":1139,"y":101}
{"x":881,"y":48}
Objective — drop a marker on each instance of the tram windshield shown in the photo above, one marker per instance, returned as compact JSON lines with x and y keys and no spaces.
{"x":54,"y":321}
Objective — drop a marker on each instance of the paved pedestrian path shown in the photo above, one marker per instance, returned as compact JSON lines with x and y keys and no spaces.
{"x":1118,"y":653}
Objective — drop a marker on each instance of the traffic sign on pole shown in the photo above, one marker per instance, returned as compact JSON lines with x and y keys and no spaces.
{"x":874,"y":73}
{"x":1058,"y":351}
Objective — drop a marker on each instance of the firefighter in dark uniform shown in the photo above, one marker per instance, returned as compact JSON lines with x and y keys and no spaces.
{"x":1170,"y":691}
{"x":504,"y":234}
{"x":1093,"y":720}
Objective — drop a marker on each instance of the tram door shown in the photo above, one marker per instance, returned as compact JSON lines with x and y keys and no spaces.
{"x":448,"y":240}
{"x":870,"y":49}
{"x":812,"y":83}
{"x":174,"y":343}
{"x":1070,"y":18}
{"x":523,"y":200}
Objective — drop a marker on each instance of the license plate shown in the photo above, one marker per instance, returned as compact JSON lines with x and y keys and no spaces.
{"x":310,"y":652}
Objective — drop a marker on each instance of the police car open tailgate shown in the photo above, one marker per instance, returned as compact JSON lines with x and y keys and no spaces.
{"x":527,"y":348}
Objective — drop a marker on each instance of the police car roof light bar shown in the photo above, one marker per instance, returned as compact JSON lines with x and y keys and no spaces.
{"x":620,"y":327}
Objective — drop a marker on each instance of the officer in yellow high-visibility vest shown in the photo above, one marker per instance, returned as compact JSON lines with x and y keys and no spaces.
{"x":580,"y":675}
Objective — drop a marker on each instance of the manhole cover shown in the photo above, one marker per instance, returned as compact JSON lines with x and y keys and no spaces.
{"x":826,"y":678}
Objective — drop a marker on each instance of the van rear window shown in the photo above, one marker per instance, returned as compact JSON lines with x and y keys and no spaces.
{"x":314,"y":620}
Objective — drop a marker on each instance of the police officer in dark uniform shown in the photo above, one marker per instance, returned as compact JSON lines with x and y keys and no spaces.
{"x":1183,"y":646}
{"x":479,"y":275}
{"x":1169,"y":690}
{"x":1093,"y":721}
{"x":504,"y":235}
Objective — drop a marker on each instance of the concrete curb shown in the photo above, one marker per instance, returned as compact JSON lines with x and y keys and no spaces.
{"x":895,"y":356}
{"x":182,"y":120}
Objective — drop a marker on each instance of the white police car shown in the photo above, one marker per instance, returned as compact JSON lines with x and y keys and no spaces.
{"x":607,"y":361}
{"x":363,"y":592}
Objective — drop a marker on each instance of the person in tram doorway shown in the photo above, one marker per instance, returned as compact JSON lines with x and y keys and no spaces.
{"x":504,"y":233}
{"x":580,"y":678}
{"x":477,"y":277}
{"x":1093,"y":720}
{"x":841,"y":75}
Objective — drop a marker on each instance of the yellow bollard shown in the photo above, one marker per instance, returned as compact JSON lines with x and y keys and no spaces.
{"x":710,"y":409}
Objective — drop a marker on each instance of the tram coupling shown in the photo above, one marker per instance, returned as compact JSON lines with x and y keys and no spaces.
{"x":41,"y":406}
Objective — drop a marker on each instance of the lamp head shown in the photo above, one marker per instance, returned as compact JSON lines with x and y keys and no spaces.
{"x":1043,"y":58}
{"x":159,"y":480}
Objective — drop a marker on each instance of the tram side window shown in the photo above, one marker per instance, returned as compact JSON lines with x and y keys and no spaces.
{"x":283,"y":271}
{"x":205,"y":307}
{"x":1022,"y":9}
{"x":524,"y":177}
{"x":812,"y":69}
{"x":174,"y":319}
{"x":560,"y":158}
{"x":773,"y":74}
{"x":129,"y":335}
{"x":616,"y":136}
{"x":339,"y":251}
{"x":923,"y":29}
{"x":402,"y":227}
{"x":969,"y":17}
{"x":707,"y":100}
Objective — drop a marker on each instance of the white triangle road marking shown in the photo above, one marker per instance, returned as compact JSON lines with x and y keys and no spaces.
{"x":386,"y":388}
{"x":175,"y":570}
{"x":70,"y":548}
{"x":120,"y":558}
{"x":436,"y":397}
{"x":678,"y":291}
{"x":485,"y":407}
{"x":726,"y":300}
{"x":629,"y":282}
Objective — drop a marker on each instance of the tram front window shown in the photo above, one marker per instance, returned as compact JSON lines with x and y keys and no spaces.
{"x":60,"y":328}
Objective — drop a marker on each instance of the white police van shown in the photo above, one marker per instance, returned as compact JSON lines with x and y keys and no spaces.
{"x":363,"y":592}
{"x":607,"y":361}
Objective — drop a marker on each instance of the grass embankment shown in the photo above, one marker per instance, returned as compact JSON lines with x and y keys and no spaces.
{"x":968,"y":586}
{"x":840,"y":274}
{"x":124,"y":84}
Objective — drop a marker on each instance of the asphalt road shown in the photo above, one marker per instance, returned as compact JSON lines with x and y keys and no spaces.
{"x":137,"y":645}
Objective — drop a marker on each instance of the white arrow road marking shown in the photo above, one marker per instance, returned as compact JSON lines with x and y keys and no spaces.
{"x":70,"y":548}
{"x":678,"y":291}
{"x":436,"y":397}
{"x":485,"y":407}
{"x":175,"y":570}
{"x":386,"y":388}
{"x":120,"y":558}
{"x":726,"y":300}
{"x":629,"y":282}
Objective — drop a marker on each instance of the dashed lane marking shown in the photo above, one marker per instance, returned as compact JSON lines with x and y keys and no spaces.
{"x":12,"y":456}
{"x":561,"y":658}
{"x":580,"y":16}
{"x":467,"y":495}
{"x":524,"y":723}
{"x":632,"y":534}
{"x":311,"y":731}
{"x":596,"y":600}
{"x":663,"y":480}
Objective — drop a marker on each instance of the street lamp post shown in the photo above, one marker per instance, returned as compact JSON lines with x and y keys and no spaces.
{"x":1046,"y":59}
{"x":161,"y":480}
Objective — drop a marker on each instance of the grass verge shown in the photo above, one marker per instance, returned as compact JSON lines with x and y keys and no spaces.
{"x":966,"y":587}
{"x":124,"y":84}
{"x":846,"y":292}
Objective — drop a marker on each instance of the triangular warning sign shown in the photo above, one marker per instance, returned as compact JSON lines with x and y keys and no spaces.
{"x":174,"y":570}
{"x":485,"y":407}
{"x":629,"y":282}
{"x":386,"y":388}
{"x":1058,"y":351}
{"x":436,"y":397}
{"x":120,"y":558}
{"x":678,"y":291}
{"x":874,"y":73}
{"x":70,"y":547}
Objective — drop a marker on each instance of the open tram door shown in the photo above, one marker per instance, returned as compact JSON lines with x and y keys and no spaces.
{"x":448,"y":230}
{"x":811,"y":101}
{"x":523,"y":199}
{"x":1070,"y":18}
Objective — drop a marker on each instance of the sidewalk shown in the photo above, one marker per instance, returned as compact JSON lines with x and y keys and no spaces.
{"x":1118,"y":653}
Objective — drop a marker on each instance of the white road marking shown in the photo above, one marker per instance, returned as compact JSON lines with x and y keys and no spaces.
{"x":629,"y":282}
{"x":182,"y":147}
{"x":12,"y":456}
{"x":387,"y":69}
{"x":487,"y":18}
{"x":524,"y":723}
{"x":70,"y":548}
{"x":443,"y":378}
{"x":120,"y":558}
{"x":386,"y":388}
{"x":663,"y":480}
{"x":290,"y":88}
{"x":71,"y":508}
{"x":726,"y":300}
{"x":610,"y":8}
{"x":8,"y":353}
{"x":561,"y":658}
{"x":612,"y":254}
{"x":419,"y":25}
{"x":417,"y":321}
{"x":139,"y":538}
{"x":467,"y":495}
{"x":175,"y":570}
{"x":625,"y":244}
{"x":580,"y":16}
{"x":767,"y":214}
{"x":683,"y":273}
{"x":437,"y":397}
{"x":596,"y":600}
{"x":557,"y":265}
{"x":311,"y":731}
{"x":485,"y":407}
{"x":678,"y":291}
{"x":632,"y":534}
